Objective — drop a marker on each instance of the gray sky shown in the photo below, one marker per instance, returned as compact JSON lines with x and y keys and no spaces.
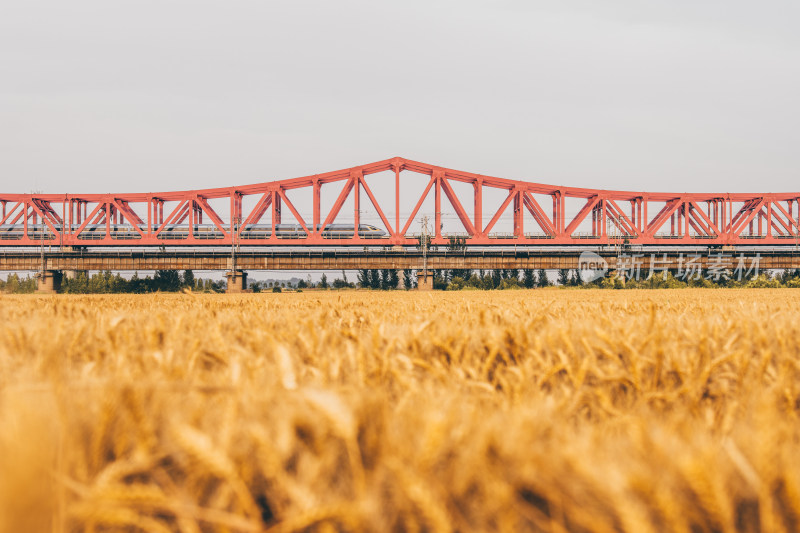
{"x":105,"y":96}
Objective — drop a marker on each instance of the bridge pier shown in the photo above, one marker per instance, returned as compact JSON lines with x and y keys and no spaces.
{"x":237,"y":281}
{"x":424,"y":282}
{"x":48,"y":282}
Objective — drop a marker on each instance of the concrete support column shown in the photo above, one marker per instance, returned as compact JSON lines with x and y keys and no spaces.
{"x":237,"y":281}
{"x":424,"y":283}
{"x":48,"y":282}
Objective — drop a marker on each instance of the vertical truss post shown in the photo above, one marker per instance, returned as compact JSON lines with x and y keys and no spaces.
{"x":769,"y":218}
{"x":603,"y":220}
{"x":789,"y":206}
{"x":396,"y":167}
{"x":729,"y":223}
{"x":683,"y":226}
{"x":641,"y":223}
{"x":645,"y":220}
{"x":191,"y":215}
{"x":273,"y":236}
{"x":478,"y":186}
{"x":559,"y":220}
{"x":634,"y":213}
{"x":233,"y":214}
{"x":316,"y":221}
{"x":108,"y":220}
{"x":760,"y":217}
{"x":437,"y":175}
{"x":518,"y":229}
{"x":356,"y":206}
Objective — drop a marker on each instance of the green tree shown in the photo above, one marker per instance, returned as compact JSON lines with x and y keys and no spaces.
{"x":341,"y":284}
{"x":323,"y":283}
{"x":496,"y":278}
{"x":529,"y":278}
{"x":188,"y":279}
{"x":167,"y":280}
{"x":408,"y":283}
{"x":12,"y":283}
{"x":119,"y":284}
{"x":541,"y":279}
{"x":97,"y":284}
{"x":456,"y":284}
{"x":385,"y":279}
{"x":363,"y":278}
{"x":136,"y":284}
{"x":374,"y":279}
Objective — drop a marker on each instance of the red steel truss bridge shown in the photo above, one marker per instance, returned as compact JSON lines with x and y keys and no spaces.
{"x":329,"y":210}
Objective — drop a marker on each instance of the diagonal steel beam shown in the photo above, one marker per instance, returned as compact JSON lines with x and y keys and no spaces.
{"x":293,"y":210}
{"x":392,"y":232}
{"x":538,"y":214}
{"x":591,"y":202}
{"x":500,"y":211}
{"x":419,"y":204}
{"x":460,"y":211}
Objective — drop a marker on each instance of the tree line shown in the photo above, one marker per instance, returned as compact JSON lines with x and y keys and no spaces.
{"x":510,"y":279}
{"x":107,"y":282}
{"x":386,"y":279}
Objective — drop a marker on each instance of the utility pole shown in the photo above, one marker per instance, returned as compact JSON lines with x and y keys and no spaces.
{"x":235,"y":221}
{"x":41,"y":255}
{"x":614,"y":239}
{"x":425,"y":248}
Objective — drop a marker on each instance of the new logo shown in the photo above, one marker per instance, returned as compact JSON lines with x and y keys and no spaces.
{"x":591,"y":266}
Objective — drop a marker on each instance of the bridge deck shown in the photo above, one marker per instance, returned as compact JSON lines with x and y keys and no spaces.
{"x":377,"y":259}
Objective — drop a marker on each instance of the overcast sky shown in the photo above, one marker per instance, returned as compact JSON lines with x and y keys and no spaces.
{"x":107,"y":96}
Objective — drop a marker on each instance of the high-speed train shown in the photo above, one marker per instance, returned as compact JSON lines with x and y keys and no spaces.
{"x":200,"y":231}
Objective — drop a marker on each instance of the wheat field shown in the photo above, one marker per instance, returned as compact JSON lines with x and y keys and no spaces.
{"x":548,"y":410}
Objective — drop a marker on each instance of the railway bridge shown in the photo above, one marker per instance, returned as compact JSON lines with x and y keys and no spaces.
{"x":396,"y":213}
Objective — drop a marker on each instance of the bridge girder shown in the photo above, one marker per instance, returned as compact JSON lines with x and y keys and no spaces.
{"x":393,"y":260}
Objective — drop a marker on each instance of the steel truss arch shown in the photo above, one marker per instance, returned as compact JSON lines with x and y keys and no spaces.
{"x":604,"y":216}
